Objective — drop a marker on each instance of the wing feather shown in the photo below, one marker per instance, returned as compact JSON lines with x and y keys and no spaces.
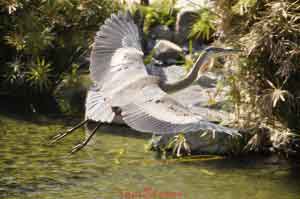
{"x":97,"y":107}
{"x":164,"y":115}
{"x":118,"y":32}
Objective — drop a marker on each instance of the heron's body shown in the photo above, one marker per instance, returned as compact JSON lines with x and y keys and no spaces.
{"x":123,"y":86}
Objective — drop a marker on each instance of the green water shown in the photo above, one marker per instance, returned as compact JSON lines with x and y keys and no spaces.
{"x":119,"y":163}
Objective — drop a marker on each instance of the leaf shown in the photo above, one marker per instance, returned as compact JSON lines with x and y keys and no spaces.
{"x":271,"y":84}
{"x":204,"y":25}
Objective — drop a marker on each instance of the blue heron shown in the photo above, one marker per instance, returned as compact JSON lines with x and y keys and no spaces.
{"x":123,"y":87}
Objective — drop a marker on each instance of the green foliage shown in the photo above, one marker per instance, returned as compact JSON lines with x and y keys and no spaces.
{"x":204,"y":25}
{"x":159,"y":12}
{"x":188,"y":59}
{"x":72,"y":78}
{"x":14,"y":74}
{"x":263,"y":86}
{"x":188,"y":62}
{"x":178,"y":144}
{"x":149,"y":58}
{"x":272,"y":45}
{"x":243,"y":6}
{"x":44,"y":39}
{"x":38,"y":75}
{"x":16,"y":40}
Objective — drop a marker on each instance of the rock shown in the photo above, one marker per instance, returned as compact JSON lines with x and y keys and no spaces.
{"x":208,"y":80}
{"x":168,"y":74}
{"x":162,"y":32}
{"x":194,"y":5}
{"x":166,"y":50}
{"x":219,"y":143}
{"x":188,"y":11}
{"x":198,"y":99}
{"x":174,"y":73}
{"x":149,"y":45}
{"x":184,"y":21}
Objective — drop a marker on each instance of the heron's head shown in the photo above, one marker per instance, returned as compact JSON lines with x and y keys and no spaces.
{"x":218,"y":52}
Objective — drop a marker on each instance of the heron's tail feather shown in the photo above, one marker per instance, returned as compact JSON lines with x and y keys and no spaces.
{"x":119,"y":31}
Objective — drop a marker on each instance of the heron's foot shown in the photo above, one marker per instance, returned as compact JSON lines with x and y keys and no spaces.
{"x":78,"y":147}
{"x":60,"y":136}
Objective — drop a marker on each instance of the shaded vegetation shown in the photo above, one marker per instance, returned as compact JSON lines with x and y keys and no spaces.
{"x":159,"y":12}
{"x":42,"y":42}
{"x":264,"y":85}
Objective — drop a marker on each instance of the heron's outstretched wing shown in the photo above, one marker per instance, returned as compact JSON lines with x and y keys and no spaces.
{"x":115,"y":39}
{"x":156,"y":112}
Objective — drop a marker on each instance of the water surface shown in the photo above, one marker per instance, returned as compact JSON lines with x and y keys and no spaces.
{"x":118,"y":164}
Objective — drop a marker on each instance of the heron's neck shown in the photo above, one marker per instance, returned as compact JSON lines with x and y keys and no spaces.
{"x":188,"y":79}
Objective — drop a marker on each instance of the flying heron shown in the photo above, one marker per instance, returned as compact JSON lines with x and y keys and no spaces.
{"x":123,"y":87}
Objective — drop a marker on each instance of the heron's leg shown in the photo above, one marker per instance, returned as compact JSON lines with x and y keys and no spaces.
{"x":86,"y":141}
{"x":64,"y":134}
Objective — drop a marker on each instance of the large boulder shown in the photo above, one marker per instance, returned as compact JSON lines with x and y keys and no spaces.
{"x":165,"y":51}
{"x":188,"y":12}
{"x":200,"y":143}
{"x":194,"y":5}
{"x":161,"y":32}
{"x":184,"y":21}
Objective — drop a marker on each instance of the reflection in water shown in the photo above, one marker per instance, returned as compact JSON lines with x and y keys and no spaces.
{"x":117,"y":163}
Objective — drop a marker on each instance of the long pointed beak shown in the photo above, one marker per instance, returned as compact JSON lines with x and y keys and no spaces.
{"x":233,"y":50}
{"x":229,"y":52}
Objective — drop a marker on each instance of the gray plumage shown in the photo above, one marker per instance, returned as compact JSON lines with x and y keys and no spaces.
{"x":123,"y":83}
